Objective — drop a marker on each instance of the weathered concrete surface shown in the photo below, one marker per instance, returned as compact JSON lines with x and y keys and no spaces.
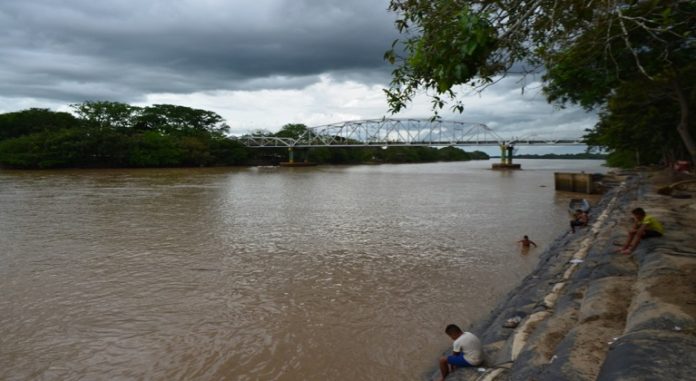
{"x":589,"y":313}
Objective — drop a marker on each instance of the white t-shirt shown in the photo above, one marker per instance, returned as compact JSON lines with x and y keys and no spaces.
{"x":470,"y":346}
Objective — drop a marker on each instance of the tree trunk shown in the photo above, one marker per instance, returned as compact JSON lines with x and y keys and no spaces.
{"x":683,"y":126}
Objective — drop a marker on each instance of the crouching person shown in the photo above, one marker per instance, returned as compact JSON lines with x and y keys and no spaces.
{"x":466,"y":350}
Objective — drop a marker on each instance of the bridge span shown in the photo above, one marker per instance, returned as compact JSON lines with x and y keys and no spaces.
{"x":399,"y":133}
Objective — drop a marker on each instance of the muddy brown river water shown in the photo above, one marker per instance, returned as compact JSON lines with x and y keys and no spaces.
{"x":338,"y":273}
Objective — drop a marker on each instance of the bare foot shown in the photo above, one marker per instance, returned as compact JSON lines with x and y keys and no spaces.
{"x":625,"y":252}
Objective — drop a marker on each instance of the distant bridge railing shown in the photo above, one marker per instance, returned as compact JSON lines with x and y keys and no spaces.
{"x":398,"y":133}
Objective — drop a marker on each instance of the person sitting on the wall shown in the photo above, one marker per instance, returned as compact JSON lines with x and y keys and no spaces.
{"x":466,"y":351}
{"x":645,"y":226}
{"x":580,"y":218}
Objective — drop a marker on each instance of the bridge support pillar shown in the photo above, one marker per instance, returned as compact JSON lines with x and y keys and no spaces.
{"x":291,"y":160}
{"x":506,"y":151}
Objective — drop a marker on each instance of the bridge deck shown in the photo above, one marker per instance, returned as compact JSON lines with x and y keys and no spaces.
{"x":399,"y":133}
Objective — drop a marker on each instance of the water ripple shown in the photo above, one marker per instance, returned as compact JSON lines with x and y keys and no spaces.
{"x":342,"y":273}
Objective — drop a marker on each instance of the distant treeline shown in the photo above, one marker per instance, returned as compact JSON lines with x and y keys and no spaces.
{"x":111,"y":134}
{"x":572,"y":156}
{"x":358,"y":155}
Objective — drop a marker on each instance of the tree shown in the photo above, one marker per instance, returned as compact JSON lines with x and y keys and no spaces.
{"x":25,"y":122}
{"x":291,"y":130}
{"x":646,"y":63}
{"x":180,"y":119}
{"x":68,"y":147}
{"x":152,"y":149}
{"x":588,"y":49}
{"x":259,"y":132}
{"x":453,"y":154}
{"x":104,"y":114}
{"x":228,"y":152}
{"x":638,"y":126}
{"x":456,"y":42}
{"x":111,"y":134}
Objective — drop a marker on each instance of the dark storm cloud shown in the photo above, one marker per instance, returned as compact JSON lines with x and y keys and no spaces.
{"x":120,"y":50}
{"x":259,"y":63}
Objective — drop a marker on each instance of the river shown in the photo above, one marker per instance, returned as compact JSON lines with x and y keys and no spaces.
{"x":336,"y":272}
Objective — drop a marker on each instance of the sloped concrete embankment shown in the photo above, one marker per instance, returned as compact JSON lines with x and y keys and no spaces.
{"x":589,"y":313}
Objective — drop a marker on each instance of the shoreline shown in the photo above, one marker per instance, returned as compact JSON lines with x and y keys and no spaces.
{"x":590,"y":314}
{"x":297,"y":164}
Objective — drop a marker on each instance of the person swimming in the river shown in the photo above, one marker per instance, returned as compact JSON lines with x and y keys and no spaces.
{"x":526,"y":242}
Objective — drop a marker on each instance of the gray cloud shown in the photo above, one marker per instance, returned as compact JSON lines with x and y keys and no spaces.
{"x":132,"y":47}
{"x":319,"y":60}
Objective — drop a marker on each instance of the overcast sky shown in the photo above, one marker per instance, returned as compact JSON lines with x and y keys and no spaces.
{"x":258,"y":63}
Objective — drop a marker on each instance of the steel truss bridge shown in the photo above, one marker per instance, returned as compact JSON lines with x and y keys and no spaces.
{"x":399,"y":133}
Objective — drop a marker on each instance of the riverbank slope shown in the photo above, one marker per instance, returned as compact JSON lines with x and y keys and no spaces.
{"x":588,"y":313}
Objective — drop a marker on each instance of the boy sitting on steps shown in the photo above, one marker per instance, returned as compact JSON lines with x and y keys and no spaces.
{"x":466,"y":350}
{"x":645,"y":226}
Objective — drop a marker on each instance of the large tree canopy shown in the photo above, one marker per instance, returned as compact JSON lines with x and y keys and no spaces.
{"x":159,"y":117}
{"x":105,"y":114}
{"x":589,"y":51}
{"x":15,"y":124}
{"x":113,"y":134}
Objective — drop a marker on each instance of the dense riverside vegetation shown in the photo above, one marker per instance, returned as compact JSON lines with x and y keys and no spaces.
{"x":111,"y":134}
{"x":564,"y":156}
{"x":632,"y":61}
